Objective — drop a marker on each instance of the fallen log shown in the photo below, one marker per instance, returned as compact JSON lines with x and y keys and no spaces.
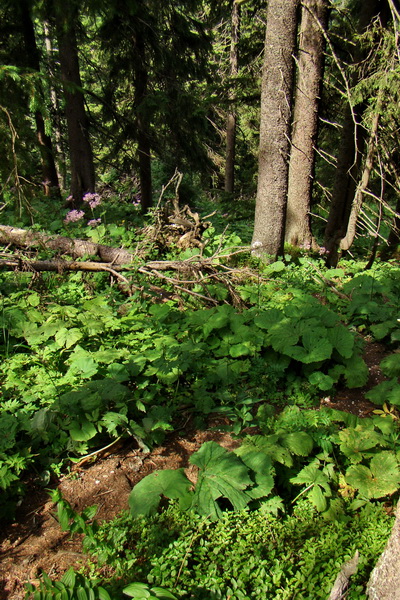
{"x":76,"y":248}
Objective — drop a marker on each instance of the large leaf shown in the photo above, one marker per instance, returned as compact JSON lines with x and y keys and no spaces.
{"x":391,"y":365}
{"x":82,"y":430}
{"x":298,"y":443}
{"x":342,"y":340}
{"x":317,"y":485}
{"x":222,"y":475}
{"x":66,"y":338}
{"x":354,"y":442}
{"x":380,"y":479}
{"x":146,"y":495}
{"x":264,"y":473}
{"x":356,"y":372}
{"x":269,"y":445}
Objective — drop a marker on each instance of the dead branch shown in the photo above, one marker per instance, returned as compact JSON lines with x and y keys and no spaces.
{"x":342,"y":580}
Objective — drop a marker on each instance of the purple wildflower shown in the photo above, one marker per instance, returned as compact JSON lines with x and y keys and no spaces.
{"x":137,"y":199}
{"x":73,"y":216}
{"x":94,"y":222}
{"x":92,"y":199}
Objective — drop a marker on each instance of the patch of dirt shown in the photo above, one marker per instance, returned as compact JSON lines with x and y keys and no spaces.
{"x":35,"y":541}
{"x":354,"y":401}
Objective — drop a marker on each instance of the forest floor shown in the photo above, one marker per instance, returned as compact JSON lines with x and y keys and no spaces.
{"x":35,"y":541}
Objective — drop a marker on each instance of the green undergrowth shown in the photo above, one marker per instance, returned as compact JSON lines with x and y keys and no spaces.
{"x":82,"y":365}
{"x":244,"y":555}
{"x":277,"y":517}
{"x":74,"y":374}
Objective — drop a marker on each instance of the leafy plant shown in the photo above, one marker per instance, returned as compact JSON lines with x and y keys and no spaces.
{"x":72,"y":586}
{"x":141,"y":591}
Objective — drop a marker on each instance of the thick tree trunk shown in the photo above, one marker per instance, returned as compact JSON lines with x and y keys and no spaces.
{"x":80,"y":150}
{"x":231,"y":120}
{"x":384,"y":582}
{"x":276,"y":101}
{"x":49,"y":172}
{"x":142,"y":124}
{"x":350,"y":153}
{"x":55,"y":110}
{"x":314,"y":17}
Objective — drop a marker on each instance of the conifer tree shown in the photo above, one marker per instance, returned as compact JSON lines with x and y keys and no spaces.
{"x":276,"y":94}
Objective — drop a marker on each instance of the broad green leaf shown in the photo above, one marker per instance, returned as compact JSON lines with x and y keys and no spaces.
{"x":261,"y":464}
{"x":63,"y":515}
{"x":66,"y":338}
{"x":283,"y":335}
{"x":298,"y":443}
{"x":318,"y":498}
{"x":380,"y":479}
{"x":146,"y":495}
{"x":380,"y":393}
{"x":118,"y":372}
{"x":381,"y":330}
{"x":354,"y":442}
{"x":322,"y":381}
{"x":137,"y":590}
{"x":394,"y":395}
{"x":342,"y":340}
{"x":69,"y":578}
{"x":356,"y":372}
{"x":391,"y":365}
{"x":81,"y":593}
{"x":162,"y":593}
{"x":82,"y":430}
{"x":312,"y":475}
{"x":266,"y":319}
{"x":84,"y":365}
{"x":240,"y":350}
{"x":103,"y":594}
{"x":269,"y":445}
{"x":218,"y":319}
{"x":222,"y":475}
{"x":317,"y":345}
{"x":33,"y":299}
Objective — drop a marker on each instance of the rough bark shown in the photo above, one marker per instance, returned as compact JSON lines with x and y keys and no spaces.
{"x":75,"y":248}
{"x":55,"y":110}
{"x":314,"y":16}
{"x":80,"y":150}
{"x":231,"y":120}
{"x":142,"y":124}
{"x":276,"y":95}
{"x":384,"y":582}
{"x":49,"y":172}
{"x":350,"y":152}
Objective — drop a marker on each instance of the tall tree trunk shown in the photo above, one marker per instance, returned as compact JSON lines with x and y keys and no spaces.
{"x":55,"y":109}
{"x":49,"y":172}
{"x":231,"y":120}
{"x":350,"y":153}
{"x":347,"y":240}
{"x":314,"y":17}
{"x":80,"y":150}
{"x":142,"y":124}
{"x":276,"y":101}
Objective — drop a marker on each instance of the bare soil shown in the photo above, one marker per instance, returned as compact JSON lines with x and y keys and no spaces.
{"x":35,"y":542}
